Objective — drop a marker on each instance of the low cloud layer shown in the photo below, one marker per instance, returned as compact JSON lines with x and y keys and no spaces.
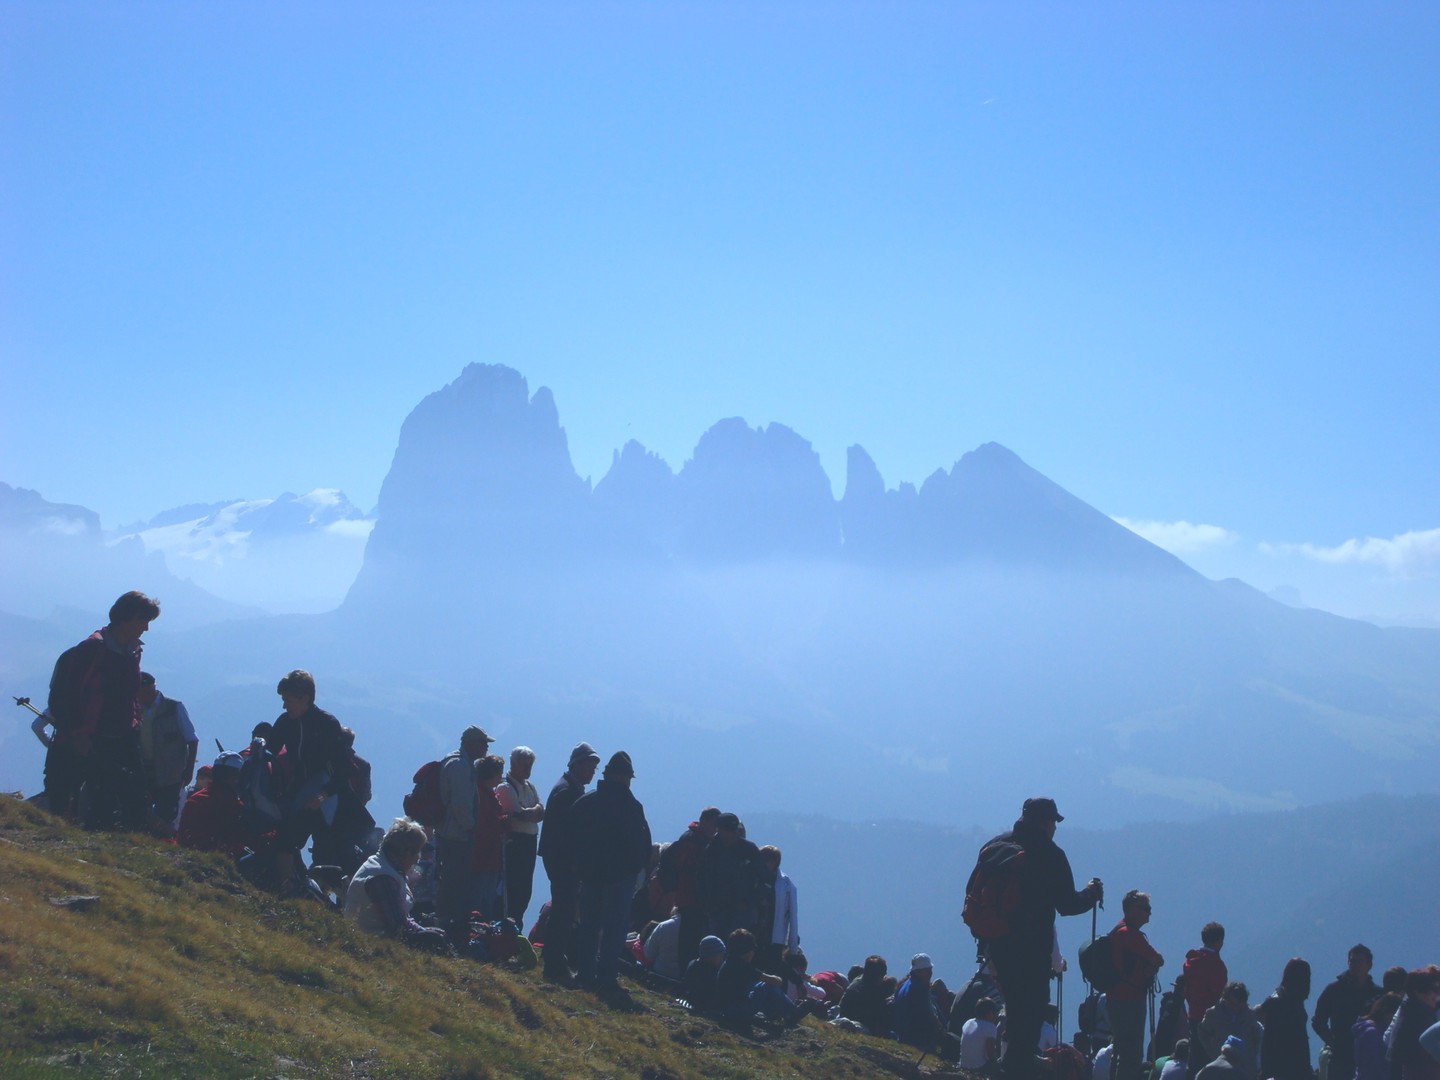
{"x":1180,"y":537}
{"x":1407,"y":555}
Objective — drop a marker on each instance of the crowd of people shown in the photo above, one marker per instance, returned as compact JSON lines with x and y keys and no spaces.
{"x":709,"y":915}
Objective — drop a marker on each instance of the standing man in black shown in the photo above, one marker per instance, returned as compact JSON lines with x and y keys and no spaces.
{"x":560,"y":857}
{"x":319,"y":757}
{"x":1021,"y":958}
{"x":1342,"y":1003}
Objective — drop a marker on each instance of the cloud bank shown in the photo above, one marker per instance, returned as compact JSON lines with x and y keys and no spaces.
{"x":1407,"y":555}
{"x":1180,"y":537}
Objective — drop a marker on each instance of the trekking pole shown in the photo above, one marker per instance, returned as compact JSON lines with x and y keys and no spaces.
{"x":1060,"y":1007}
{"x":24,"y":703}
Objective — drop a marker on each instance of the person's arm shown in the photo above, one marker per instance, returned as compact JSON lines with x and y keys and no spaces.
{"x":38,"y":726}
{"x":1430,"y":1041}
{"x":1320,"y":1022}
{"x":384,"y":893}
{"x":1069,"y":900}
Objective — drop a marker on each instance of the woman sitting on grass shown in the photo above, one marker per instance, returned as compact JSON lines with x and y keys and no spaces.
{"x":379,"y":898}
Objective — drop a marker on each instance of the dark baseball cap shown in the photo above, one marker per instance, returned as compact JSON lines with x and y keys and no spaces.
{"x":1041,"y":809}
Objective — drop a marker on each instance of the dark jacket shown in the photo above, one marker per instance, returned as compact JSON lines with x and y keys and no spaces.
{"x":1338,"y":1007}
{"x":866,"y":1003}
{"x":93,"y":690}
{"x":557,"y":833}
{"x":313,"y":744}
{"x":1047,"y":886}
{"x":1284,"y":1046}
{"x":612,"y":836}
{"x":729,"y":876}
{"x":697,"y":986}
{"x":732,"y":985}
{"x":680,"y":867}
{"x":916,"y":1020}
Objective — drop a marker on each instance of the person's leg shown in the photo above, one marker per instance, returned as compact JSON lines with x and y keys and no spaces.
{"x":560,"y":946}
{"x":587,"y":935}
{"x":692,"y":929}
{"x":615,"y":918}
{"x":771,"y":1002}
{"x":1127,"y":1023}
{"x":455,"y":897}
{"x":1024,"y":978}
{"x":520,"y":874}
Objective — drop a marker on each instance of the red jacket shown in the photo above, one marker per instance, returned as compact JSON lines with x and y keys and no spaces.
{"x":1205,"y":979}
{"x":491,"y":826}
{"x":1135,"y":960}
{"x":210,"y":821}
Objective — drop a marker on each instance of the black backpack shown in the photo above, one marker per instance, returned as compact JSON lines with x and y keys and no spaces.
{"x":1097,"y":964}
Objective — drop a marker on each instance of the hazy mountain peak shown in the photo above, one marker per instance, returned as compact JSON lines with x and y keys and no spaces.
{"x":862,"y":477}
{"x":29,"y":511}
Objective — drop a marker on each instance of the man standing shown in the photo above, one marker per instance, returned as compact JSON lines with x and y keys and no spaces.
{"x":167,"y":748}
{"x":319,"y":766}
{"x":559,"y":852}
{"x":729,"y":879}
{"x":94,"y":705}
{"x":519,"y":799}
{"x":1205,"y":978}
{"x":1340,"y":1005}
{"x":1021,"y":956}
{"x":612,"y":840}
{"x":680,"y":874}
{"x":455,"y":835}
{"x":1136,"y":962}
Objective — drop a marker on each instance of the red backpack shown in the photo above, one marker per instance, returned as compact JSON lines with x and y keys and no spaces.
{"x":993,"y":891}
{"x":424,"y":804}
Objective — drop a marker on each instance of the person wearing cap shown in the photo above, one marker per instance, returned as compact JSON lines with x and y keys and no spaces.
{"x":212,"y":818}
{"x":455,"y":835}
{"x":917,"y":1021}
{"x":1022,"y":957}
{"x":1231,"y":1061}
{"x":697,"y":985}
{"x":167,"y":748}
{"x":559,"y":856}
{"x":730,"y":878}
{"x":612,"y":845}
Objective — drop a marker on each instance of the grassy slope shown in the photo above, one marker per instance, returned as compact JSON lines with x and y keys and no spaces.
{"x":182,"y":969}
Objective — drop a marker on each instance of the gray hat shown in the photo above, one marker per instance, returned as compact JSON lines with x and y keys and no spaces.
{"x":583,"y":752}
{"x":229,"y":759}
{"x":711,"y":946}
{"x":921,"y":962}
{"x":473,"y":734}
{"x":619,"y":765}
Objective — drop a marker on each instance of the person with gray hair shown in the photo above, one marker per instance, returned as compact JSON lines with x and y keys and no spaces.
{"x":519,"y":799}
{"x":378,"y":899}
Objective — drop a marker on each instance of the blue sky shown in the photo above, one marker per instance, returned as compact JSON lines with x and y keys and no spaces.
{"x":1181,"y":258}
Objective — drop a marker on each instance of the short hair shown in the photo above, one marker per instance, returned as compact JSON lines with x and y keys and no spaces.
{"x":875,"y":966}
{"x":1212,"y":934}
{"x":739,"y":942}
{"x":986,"y":1005}
{"x":523,"y":753}
{"x":134,"y":604}
{"x":770,"y":851}
{"x":1236,"y":990}
{"x":404,"y":837}
{"x":1422,"y":981}
{"x":710,"y":813}
{"x":299,"y":683}
{"x":856,"y":970}
{"x":1384,"y":1009}
{"x":1134,"y":898}
{"x":1393,"y":981}
{"x":146,"y":679}
{"x":347,"y":736}
{"x":488,"y":766}
{"x":1181,"y":1052}
{"x":1360,"y":950}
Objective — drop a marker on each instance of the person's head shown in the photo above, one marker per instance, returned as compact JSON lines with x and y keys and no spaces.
{"x":770,"y":856}
{"x":225,"y":773}
{"x":875,"y":968}
{"x":474,"y":742}
{"x":147,"y":692}
{"x":888,"y":985}
{"x":1359,"y":960}
{"x":202,"y":777}
{"x":1423,"y":984}
{"x":921,"y":968}
{"x":131,"y":615}
{"x":297,"y":692}
{"x":797,"y":960}
{"x":402,"y":843}
{"x":727,"y":829}
{"x":1042,"y":814}
{"x":489,"y":770}
{"x":1295,"y":980}
{"x":522,"y":761}
{"x":1181,"y":1051}
{"x":1136,"y":907}
{"x":1212,"y":935}
{"x":1236,"y":996}
{"x":986,"y":1009}
{"x":1393,"y":981}
{"x":856,"y":970}
{"x":711,"y":951}
{"x":707,"y":819}
{"x":740,"y":944}
{"x":583,"y":763}
{"x":1233,"y":1048}
{"x":619,"y":769}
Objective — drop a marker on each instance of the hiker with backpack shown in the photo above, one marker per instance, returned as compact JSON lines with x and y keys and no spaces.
{"x":559,"y":852}
{"x":1136,"y":963}
{"x":445,"y":798}
{"x":1021,"y":881}
{"x":95,"y":708}
{"x":521,"y":803}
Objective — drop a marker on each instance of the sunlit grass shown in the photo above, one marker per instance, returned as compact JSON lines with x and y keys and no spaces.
{"x":183,"y":970}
